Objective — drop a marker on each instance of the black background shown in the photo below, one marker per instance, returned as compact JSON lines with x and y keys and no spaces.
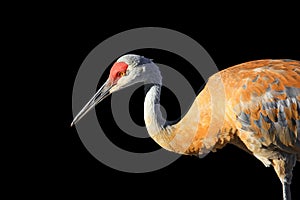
{"x":62,"y":165}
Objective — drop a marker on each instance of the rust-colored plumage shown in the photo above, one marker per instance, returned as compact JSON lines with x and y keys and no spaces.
{"x":258,"y":99}
{"x":253,"y":105}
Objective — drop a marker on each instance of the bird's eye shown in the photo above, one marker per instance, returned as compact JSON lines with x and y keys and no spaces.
{"x":120,"y":74}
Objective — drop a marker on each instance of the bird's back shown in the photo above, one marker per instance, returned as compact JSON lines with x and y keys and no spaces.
{"x":258,"y":101}
{"x":264,"y":98}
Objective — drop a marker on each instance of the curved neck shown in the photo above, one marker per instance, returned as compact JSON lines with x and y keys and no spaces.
{"x":177,"y":137}
{"x":198,"y":131}
{"x":184,"y":137}
{"x":152,"y":114}
{"x":174,"y":137}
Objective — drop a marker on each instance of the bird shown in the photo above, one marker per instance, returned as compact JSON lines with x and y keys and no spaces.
{"x":254,"y":105}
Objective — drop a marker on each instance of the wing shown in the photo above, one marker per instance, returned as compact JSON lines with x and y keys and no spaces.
{"x":260,"y":97}
{"x":265,"y":96}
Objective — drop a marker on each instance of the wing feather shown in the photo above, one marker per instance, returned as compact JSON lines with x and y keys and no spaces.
{"x":265,"y":96}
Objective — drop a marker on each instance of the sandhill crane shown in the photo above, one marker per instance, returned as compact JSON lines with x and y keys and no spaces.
{"x":254,"y":105}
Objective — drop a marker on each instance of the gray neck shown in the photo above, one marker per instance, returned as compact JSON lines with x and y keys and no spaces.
{"x":152,"y":114}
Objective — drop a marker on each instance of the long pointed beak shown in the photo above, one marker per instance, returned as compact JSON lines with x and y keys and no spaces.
{"x":101,"y":94}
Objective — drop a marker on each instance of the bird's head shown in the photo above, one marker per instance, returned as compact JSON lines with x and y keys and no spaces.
{"x":126,"y":71}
